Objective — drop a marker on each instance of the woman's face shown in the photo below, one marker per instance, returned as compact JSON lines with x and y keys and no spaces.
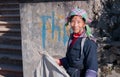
{"x":77,"y":24}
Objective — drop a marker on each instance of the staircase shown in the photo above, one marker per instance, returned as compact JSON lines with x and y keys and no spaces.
{"x":10,"y":39}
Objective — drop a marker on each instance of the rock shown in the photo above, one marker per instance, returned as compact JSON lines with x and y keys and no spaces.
{"x":115,"y":44}
{"x":115,"y":50}
{"x":116,"y":35}
{"x":117,"y":69}
{"x":106,"y":39}
{"x":112,"y":58}
{"x":118,"y":20}
{"x":113,"y":21}
{"x":114,"y":74}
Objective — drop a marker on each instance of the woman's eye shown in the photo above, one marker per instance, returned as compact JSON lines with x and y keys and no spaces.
{"x":72,"y":21}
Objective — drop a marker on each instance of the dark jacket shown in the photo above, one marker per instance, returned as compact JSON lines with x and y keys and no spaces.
{"x":86,"y":61}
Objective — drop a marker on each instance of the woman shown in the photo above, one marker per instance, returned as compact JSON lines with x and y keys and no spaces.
{"x":75,"y":63}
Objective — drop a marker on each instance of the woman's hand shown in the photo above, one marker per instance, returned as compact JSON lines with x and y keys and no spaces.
{"x":58,"y":61}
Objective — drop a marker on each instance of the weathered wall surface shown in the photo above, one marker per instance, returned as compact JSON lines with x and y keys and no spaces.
{"x":43,"y":30}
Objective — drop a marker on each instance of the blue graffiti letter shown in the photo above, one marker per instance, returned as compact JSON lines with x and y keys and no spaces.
{"x":44,"y":20}
{"x":55,"y":27}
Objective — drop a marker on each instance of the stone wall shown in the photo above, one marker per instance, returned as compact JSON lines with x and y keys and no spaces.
{"x":107,"y":30}
{"x":43,"y":30}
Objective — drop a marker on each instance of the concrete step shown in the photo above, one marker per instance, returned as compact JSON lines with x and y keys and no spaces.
{"x":10,"y":67}
{"x":6,"y":59}
{"x":17,"y":34}
{"x":10,"y":51}
{"x":11,"y":70}
{"x":9,"y":1}
{"x":9,"y":29}
{"x":9,"y":15}
{"x":9,"y":9}
{"x":10,"y":26}
{"x":9,"y":6}
{"x":10,"y":33}
{"x":9,"y":12}
{"x":11,"y":56}
{"x":13,"y":47}
{"x":11,"y":38}
{"x":9,"y":22}
{"x":10,"y":42}
{"x":12,"y":59}
{"x":9,"y":18}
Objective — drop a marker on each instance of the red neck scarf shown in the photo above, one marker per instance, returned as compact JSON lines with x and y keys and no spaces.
{"x":75,"y":37}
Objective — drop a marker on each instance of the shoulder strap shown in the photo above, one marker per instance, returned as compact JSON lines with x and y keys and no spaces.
{"x":81,"y":54}
{"x":82,"y":44}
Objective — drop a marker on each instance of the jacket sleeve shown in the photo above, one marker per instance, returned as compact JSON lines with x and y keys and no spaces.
{"x":91,"y":64}
{"x":64,"y":62}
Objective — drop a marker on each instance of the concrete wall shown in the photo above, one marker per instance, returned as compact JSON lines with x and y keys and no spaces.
{"x":43,"y":29}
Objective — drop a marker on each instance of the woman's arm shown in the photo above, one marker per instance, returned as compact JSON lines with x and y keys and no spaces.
{"x":64,"y":62}
{"x":91,"y":64}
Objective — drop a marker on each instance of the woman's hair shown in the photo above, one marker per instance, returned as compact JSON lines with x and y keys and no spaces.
{"x":70,"y":19}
